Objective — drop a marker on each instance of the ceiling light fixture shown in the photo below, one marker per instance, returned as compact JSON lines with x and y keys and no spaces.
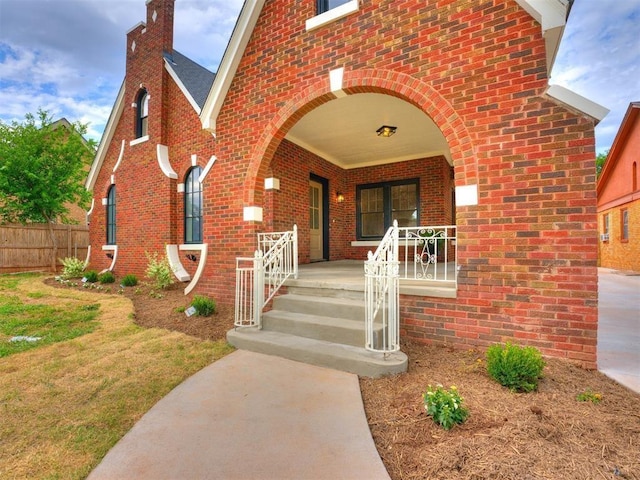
{"x":386,"y":131}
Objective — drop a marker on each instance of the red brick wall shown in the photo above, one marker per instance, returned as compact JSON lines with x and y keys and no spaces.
{"x":294,"y":165}
{"x":528,"y":249}
{"x":149,"y":210}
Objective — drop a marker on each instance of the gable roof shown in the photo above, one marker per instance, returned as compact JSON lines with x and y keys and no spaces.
{"x":193,"y":79}
{"x":626,"y":127}
{"x":550,"y":14}
{"x":230,"y":60}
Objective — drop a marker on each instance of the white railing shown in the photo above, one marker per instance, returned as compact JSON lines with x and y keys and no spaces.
{"x":259,"y":278}
{"x":381,"y":293}
{"x":429,"y":253}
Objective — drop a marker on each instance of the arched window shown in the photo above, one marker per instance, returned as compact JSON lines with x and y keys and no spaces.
{"x":111,"y":216}
{"x":634,"y":174}
{"x":142,"y":113}
{"x":193,"y":207}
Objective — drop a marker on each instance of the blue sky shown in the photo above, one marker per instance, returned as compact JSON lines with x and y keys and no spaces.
{"x":67,"y":56}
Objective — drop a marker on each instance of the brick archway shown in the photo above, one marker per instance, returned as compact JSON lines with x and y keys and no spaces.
{"x":400,"y":85}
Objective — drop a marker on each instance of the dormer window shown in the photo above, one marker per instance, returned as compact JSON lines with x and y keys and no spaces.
{"x":326,"y":5}
{"x":142,"y":114}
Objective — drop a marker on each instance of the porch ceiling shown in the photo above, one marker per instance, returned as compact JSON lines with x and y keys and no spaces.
{"x":343,"y":131}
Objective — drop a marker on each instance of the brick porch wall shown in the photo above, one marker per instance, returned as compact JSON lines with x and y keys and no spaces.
{"x":293,"y":165}
{"x":528,"y":250}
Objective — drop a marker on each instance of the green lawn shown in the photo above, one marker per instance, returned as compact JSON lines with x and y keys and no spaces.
{"x":66,"y":399}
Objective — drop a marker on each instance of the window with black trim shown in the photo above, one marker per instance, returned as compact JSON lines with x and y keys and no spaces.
{"x":326,"y":5}
{"x":193,"y":206}
{"x":111,"y":216}
{"x":142,"y":113}
{"x":624,"y":224}
{"x":379,"y":204}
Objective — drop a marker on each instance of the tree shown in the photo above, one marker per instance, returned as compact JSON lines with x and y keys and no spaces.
{"x":42,"y":171}
{"x":601,"y":158}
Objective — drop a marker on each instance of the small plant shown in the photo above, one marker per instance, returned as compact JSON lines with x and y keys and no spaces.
{"x":180,"y":309}
{"x":589,"y":396}
{"x":444,"y":406}
{"x":517,"y":368}
{"x":72,"y":268}
{"x":204,"y":306}
{"x":129,"y":280}
{"x":159,"y":271}
{"x":107,"y":277}
{"x":91,"y":276}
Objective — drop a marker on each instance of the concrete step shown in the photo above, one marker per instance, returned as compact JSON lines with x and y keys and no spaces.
{"x":348,"y":308}
{"x":346,"y":358}
{"x":355,"y":292}
{"x":329,"y":329}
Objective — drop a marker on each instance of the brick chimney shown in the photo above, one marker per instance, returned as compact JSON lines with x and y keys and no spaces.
{"x":146,"y":44}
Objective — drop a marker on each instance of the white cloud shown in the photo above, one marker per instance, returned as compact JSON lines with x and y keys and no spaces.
{"x":68,"y":56}
{"x":599,"y":58}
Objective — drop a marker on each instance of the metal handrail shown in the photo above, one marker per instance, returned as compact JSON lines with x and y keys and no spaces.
{"x":259,"y":278}
{"x":427,"y":253}
{"x":382,"y":295}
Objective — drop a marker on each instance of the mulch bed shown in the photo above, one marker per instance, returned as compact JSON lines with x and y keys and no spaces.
{"x":547,"y":434}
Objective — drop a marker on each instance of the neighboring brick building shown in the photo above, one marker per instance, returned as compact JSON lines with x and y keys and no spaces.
{"x":619,"y":197}
{"x":482,"y":142}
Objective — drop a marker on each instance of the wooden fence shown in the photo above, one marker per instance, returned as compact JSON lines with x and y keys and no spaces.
{"x":28,"y":247}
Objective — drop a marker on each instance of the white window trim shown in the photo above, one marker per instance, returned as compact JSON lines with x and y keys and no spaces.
{"x":333,"y":14}
{"x":138,"y":140}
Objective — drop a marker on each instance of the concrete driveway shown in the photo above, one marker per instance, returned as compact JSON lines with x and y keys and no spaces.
{"x":619,"y":327}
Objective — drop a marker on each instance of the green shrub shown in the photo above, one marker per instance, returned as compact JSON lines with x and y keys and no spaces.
{"x":129,"y":280}
{"x":107,"y":277}
{"x":444,"y":406}
{"x":204,"y":306}
{"x":91,"y":276}
{"x":159,"y":271}
{"x":72,"y":268}
{"x":517,"y":368}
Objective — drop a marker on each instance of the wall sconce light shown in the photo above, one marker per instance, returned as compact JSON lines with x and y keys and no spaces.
{"x":339,"y":197}
{"x":192,"y":257}
{"x":386,"y":131}
{"x":110,"y":255}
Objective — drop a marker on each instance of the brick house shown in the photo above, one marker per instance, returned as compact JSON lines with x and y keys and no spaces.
{"x":619,"y":197}
{"x":342,"y":116}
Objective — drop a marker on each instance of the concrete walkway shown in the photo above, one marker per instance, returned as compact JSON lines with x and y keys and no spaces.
{"x":619,"y":327}
{"x":251,"y":416}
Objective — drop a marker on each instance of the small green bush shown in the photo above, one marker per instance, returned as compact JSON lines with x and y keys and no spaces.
{"x":159,"y":271}
{"x":589,"y":396}
{"x":72,"y":268}
{"x":517,"y":368}
{"x":91,"y":276}
{"x":107,"y":277}
{"x":444,"y":406}
{"x":204,"y":306}
{"x":129,"y":280}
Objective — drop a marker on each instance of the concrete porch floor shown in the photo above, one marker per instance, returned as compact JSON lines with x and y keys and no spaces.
{"x":349,"y":275}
